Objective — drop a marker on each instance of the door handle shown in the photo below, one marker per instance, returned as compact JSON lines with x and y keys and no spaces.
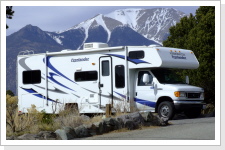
{"x":100,"y":85}
{"x":136,"y":93}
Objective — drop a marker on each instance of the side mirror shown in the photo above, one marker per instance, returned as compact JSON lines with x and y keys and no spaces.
{"x":187,"y":80}
{"x":145,"y":78}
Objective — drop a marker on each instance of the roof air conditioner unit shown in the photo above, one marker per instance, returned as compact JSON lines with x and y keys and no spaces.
{"x":94,"y":45}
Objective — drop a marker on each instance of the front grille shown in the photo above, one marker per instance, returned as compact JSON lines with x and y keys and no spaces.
{"x":193,"y":95}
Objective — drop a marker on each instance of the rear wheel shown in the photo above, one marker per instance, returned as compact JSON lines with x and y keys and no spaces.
{"x":166,"y":110}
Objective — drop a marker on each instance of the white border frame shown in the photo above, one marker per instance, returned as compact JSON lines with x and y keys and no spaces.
{"x":110,"y":3}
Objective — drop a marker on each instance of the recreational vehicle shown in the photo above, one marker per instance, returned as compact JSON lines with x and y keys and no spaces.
{"x":128,"y":78}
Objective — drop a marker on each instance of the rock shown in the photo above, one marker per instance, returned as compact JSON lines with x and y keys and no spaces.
{"x":131,"y":121}
{"x":120,"y":121}
{"x":47,"y":135}
{"x":111,"y":124}
{"x":153,"y":120}
{"x":12,"y":138}
{"x":98,"y":127}
{"x":61,"y":134}
{"x":137,"y":118}
{"x":131,"y":125}
{"x":91,"y":129}
{"x":148,"y":116}
{"x":67,"y":133}
{"x":28,"y":137}
{"x":164,"y":121}
{"x":81,"y":131}
{"x":70,"y":133}
{"x":108,"y":124}
{"x":117,"y":124}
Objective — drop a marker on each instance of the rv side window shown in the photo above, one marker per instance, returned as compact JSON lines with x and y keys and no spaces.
{"x":32,"y":77}
{"x":86,"y":76}
{"x":105,"y":68}
{"x":120,"y":77}
{"x":136,"y":54}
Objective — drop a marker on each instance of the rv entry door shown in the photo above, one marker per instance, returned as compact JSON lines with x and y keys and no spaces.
{"x":105,"y":81}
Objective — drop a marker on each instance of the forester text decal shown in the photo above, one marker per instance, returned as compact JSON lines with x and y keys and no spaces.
{"x":79,"y":59}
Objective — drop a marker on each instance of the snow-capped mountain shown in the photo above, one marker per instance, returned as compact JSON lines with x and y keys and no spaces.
{"x":153,"y":24}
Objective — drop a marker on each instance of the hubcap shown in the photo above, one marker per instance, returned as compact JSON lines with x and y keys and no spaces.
{"x":165,"y":111}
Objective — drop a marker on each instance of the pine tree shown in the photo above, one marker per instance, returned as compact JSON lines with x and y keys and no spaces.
{"x":9,"y":92}
{"x":9,"y":14}
{"x":197,"y":33}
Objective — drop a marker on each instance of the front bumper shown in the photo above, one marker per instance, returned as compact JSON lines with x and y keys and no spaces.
{"x":184,"y":105}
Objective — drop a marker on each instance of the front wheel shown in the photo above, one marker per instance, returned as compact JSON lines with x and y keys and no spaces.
{"x":166,"y":110}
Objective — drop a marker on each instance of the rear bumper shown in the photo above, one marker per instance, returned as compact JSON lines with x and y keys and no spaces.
{"x":184,"y":105}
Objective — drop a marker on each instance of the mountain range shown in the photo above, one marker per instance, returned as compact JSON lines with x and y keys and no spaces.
{"x":118,"y":28}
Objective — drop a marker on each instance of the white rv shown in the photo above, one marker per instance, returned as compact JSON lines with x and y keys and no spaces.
{"x":130,"y":78}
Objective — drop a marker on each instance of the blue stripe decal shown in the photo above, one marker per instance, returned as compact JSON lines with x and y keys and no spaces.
{"x":145,"y":102}
{"x":52,"y":79}
{"x":140,"y":101}
{"x":38,"y":95}
{"x":136,"y":61}
{"x":123,"y":96}
{"x":55,"y":70}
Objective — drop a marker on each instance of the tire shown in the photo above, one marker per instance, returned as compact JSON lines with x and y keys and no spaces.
{"x":193,"y":113}
{"x":166,"y":110}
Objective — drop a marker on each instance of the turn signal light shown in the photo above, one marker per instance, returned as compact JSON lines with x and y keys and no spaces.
{"x":177,"y":94}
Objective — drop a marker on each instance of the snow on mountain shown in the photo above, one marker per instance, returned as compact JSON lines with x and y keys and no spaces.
{"x":126,"y":16}
{"x":57,"y":38}
{"x":152,"y":24}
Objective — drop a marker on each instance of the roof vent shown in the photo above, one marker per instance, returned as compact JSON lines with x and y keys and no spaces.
{"x":154,"y":45}
{"x":66,"y":50}
{"x":94,"y":45}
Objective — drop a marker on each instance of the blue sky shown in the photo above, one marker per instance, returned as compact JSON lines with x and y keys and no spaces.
{"x":56,"y":18}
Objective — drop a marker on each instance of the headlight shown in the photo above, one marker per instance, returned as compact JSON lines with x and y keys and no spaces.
{"x":202,"y":95}
{"x":180,"y":94}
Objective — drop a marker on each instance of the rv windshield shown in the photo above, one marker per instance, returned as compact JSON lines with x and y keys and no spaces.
{"x":166,"y":76}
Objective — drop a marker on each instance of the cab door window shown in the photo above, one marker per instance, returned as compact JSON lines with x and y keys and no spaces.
{"x":140,"y":78}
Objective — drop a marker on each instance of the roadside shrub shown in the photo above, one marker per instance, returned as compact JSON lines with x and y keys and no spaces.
{"x":35,"y":121}
{"x":210,"y":108}
{"x":11,"y":112}
{"x":31,"y":122}
{"x":47,"y":118}
{"x":69,"y":118}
